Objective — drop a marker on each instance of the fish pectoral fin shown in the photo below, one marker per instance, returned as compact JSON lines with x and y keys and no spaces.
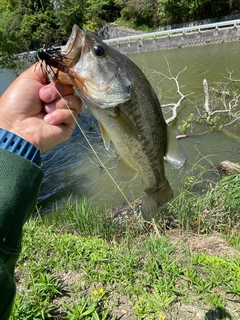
{"x":105,"y":136}
{"x":174,"y":154}
{"x":124,"y":173}
{"x":125,"y":123}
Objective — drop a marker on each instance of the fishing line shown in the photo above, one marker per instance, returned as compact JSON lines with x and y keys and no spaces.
{"x":89,"y":143}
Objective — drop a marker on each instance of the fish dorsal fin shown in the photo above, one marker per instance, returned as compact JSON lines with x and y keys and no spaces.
{"x":125,"y":123}
{"x":174,"y":154}
{"x":124,"y":173}
{"x":105,"y":136}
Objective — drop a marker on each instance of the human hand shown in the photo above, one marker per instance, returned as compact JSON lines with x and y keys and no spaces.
{"x":34,"y":111}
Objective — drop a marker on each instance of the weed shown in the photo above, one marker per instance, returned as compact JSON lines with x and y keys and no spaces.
{"x":90,"y":308}
{"x":186,"y":124}
{"x":37,"y":299}
{"x":81,"y":217}
{"x":215,"y":210}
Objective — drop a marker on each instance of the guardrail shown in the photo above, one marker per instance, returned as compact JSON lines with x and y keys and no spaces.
{"x":230,"y":23}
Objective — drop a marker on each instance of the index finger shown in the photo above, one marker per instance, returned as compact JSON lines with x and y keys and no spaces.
{"x":32,"y":78}
{"x":35,"y":73}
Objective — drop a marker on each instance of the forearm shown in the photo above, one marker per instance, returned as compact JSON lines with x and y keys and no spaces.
{"x":20,"y":181}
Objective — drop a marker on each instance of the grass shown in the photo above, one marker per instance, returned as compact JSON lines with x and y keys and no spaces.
{"x":81,"y":264}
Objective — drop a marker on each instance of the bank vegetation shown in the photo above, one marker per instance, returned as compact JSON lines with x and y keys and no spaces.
{"x":31,"y":24}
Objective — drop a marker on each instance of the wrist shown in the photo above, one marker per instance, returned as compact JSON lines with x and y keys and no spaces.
{"x":16,"y":144}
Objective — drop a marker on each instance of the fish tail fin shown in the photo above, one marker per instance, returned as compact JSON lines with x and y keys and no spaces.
{"x":153,"y":199}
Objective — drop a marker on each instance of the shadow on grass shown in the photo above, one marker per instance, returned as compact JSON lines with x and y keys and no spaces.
{"x":217,"y":314}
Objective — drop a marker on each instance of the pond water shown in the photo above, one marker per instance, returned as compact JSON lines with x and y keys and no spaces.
{"x":72,"y":168}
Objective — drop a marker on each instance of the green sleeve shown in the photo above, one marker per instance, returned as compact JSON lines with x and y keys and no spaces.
{"x":20,"y":182}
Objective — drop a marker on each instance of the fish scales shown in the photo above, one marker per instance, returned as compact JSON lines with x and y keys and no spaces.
{"x":128,"y":112}
{"x":140,"y":109}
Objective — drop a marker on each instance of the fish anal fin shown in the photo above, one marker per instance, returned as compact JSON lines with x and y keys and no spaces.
{"x":105,"y":136}
{"x":174,"y":154}
{"x":124,"y":173}
{"x":153,"y":199}
{"x":124,"y":122}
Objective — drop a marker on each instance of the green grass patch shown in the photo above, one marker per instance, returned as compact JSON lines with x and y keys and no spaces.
{"x":80,"y":264}
{"x":216,"y":209}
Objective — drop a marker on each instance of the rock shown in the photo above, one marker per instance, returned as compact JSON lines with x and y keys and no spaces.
{"x":228,"y":167}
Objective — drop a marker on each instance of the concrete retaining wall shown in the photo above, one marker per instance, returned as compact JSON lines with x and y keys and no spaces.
{"x":183,"y":40}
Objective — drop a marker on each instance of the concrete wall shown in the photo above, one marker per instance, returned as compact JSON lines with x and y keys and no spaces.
{"x":183,"y":40}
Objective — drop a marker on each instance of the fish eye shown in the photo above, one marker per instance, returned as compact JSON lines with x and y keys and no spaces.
{"x":98,"y":50}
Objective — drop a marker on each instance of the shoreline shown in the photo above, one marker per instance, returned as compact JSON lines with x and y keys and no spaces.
{"x":177,"y":41}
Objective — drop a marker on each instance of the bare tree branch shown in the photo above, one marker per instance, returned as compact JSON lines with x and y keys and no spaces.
{"x":173,"y":105}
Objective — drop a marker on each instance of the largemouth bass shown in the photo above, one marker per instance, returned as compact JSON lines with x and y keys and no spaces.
{"x":128,"y":112}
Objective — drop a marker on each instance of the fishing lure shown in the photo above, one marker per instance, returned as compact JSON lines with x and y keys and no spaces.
{"x":53,"y":59}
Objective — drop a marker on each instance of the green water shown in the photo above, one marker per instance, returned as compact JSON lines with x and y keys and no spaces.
{"x":207,"y":62}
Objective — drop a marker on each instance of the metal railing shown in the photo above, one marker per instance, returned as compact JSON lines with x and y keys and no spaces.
{"x":230,"y":23}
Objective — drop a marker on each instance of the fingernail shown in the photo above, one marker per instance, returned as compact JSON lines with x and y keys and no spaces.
{"x":49,"y":108}
{"x":48,"y":118}
{"x":48,"y":95}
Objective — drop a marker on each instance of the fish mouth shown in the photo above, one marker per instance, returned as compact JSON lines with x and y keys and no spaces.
{"x":78,"y":58}
{"x":70,"y":55}
{"x":72,"y":51}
